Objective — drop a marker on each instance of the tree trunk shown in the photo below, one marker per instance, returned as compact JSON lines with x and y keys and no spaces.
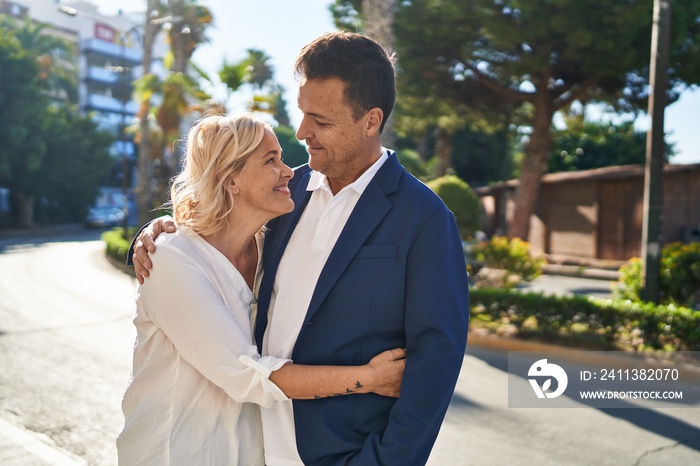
{"x":378,"y":17}
{"x":443,"y":151}
{"x":537,"y":153}
{"x":25,"y":206}
{"x":144,"y":190}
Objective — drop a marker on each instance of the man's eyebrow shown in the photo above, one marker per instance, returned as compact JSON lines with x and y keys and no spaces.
{"x":315,"y":115}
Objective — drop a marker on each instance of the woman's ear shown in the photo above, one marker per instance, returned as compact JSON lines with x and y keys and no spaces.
{"x":231,"y":185}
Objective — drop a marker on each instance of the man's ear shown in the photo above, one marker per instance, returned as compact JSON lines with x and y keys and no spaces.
{"x":373,"y":120}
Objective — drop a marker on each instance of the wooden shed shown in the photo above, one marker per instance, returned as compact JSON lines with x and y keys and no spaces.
{"x":598,"y":214}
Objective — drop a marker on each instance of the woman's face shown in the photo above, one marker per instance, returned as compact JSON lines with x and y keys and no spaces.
{"x":263,"y":184}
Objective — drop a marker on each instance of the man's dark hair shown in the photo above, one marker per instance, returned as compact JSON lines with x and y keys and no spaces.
{"x":361,"y":63}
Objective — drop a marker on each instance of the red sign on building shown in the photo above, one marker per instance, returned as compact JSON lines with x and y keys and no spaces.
{"x":105,"y":33}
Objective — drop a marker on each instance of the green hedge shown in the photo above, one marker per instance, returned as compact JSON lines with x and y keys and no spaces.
{"x":117,"y":244}
{"x":586,"y":322}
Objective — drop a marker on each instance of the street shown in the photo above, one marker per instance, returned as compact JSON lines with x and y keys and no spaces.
{"x":66,"y":339}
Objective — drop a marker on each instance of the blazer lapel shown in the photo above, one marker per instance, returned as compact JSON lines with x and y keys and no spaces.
{"x":371,"y":208}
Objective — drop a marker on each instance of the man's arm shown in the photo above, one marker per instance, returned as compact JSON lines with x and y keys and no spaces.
{"x":436,"y":324}
{"x":143,"y":244}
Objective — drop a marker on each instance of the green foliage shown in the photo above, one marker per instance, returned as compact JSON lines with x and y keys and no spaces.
{"x":629,"y":286}
{"x":22,"y":107}
{"x":679,"y":276}
{"x":412,"y":162}
{"x":518,"y":63}
{"x":77,"y":160}
{"x":461,"y":200}
{"x":57,"y":74}
{"x":346,"y":14}
{"x":587,"y":322}
{"x":481,"y":157}
{"x":511,"y":257}
{"x":117,"y":244}
{"x":594,"y":145}
{"x":49,"y":154}
{"x":293,"y":152}
{"x":257,"y":74}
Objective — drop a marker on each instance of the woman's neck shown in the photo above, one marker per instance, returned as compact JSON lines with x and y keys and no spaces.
{"x":236,"y":241}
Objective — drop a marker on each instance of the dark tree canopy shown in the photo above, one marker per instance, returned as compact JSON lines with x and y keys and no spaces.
{"x":531,"y":59}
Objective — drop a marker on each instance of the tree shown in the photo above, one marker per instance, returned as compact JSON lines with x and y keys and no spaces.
{"x":76,"y":161}
{"x":254,"y":71}
{"x":375,"y":18}
{"x":22,"y":103}
{"x":480,"y":157}
{"x":530,"y":60}
{"x":57,"y":73}
{"x":144,"y":88}
{"x":180,"y":95}
{"x":293,"y":151}
{"x":584,"y":145}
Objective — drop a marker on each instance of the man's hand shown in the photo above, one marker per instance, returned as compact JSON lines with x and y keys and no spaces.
{"x":145,"y":244}
{"x":387,"y":368}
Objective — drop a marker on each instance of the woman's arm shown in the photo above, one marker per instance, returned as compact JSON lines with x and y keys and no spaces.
{"x":382,"y":375}
{"x":182,"y":301}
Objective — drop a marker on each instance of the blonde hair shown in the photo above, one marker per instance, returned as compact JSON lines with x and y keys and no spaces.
{"x":218,"y":146}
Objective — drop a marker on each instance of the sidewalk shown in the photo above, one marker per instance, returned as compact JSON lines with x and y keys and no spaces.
{"x":21,"y":447}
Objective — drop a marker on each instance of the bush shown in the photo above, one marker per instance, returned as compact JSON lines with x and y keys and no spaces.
{"x":512,"y":259}
{"x":461,"y":200}
{"x":117,"y":245}
{"x":584,"y":321}
{"x":679,"y":280}
{"x":412,"y":162}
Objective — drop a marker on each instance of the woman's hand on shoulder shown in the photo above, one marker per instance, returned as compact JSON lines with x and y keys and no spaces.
{"x":145,"y":245}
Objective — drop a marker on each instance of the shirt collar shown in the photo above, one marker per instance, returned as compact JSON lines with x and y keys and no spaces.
{"x":319,"y":180}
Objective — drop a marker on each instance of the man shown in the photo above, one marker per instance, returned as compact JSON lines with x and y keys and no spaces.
{"x":370,"y":259}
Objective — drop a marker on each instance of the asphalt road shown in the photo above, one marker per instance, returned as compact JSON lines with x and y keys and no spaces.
{"x":66,"y":339}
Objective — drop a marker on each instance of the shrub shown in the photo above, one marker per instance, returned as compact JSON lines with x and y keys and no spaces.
{"x":412,"y":162}
{"x":512,"y":258}
{"x":679,"y":280}
{"x":117,"y":245}
{"x":584,"y":321}
{"x":461,"y":200}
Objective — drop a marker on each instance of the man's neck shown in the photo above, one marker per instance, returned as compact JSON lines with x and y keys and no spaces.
{"x":337,"y":184}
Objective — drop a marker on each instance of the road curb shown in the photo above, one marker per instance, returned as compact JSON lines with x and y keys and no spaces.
{"x":17,"y":443}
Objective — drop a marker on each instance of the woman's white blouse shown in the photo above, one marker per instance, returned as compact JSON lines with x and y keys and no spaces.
{"x":197,"y":377}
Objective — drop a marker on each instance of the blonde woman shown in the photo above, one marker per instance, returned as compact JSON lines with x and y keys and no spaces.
{"x":198,"y":380}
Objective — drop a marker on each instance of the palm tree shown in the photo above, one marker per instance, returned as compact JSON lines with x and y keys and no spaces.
{"x":179,"y":92}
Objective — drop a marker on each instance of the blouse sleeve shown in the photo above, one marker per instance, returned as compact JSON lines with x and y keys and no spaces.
{"x":183,"y":302}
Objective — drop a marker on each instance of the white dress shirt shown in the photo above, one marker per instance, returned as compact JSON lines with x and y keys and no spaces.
{"x":310,"y":245}
{"x":196,"y":372}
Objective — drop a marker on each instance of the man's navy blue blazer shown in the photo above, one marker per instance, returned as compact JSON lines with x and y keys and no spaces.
{"x":396,"y":278}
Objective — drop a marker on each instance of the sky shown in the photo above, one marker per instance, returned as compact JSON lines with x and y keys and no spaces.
{"x":281,"y":28}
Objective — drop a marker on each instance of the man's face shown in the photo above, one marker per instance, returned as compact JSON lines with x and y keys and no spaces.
{"x":339,"y":147}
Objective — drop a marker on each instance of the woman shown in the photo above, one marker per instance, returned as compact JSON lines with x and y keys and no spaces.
{"x":198,"y":379}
